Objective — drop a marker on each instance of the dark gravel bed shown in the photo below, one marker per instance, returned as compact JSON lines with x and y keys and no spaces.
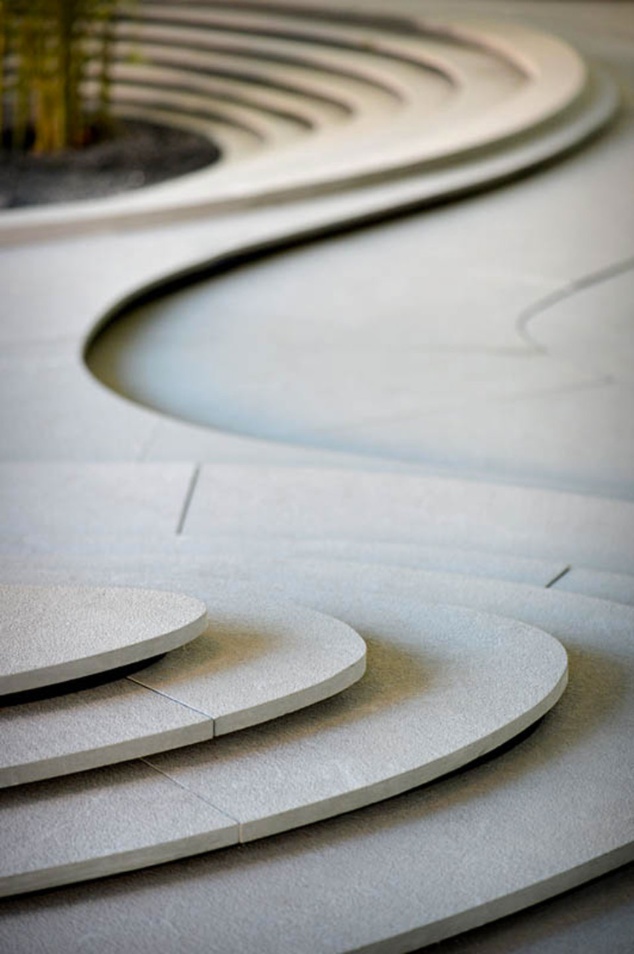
{"x":137,"y":154}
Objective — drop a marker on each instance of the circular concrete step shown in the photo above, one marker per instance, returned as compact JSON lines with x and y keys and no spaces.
{"x":445,"y":685}
{"x":50,"y":635}
{"x":258,"y":659}
{"x":482,"y":99}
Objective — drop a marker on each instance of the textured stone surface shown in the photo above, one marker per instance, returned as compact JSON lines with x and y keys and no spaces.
{"x":442,"y":686}
{"x":432,"y":510}
{"x":99,"y":822}
{"x":549,"y":812}
{"x":54,"y":634}
{"x":446,"y":683}
{"x":507,"y":823}
{"x":257,"y":659}
{"x":618,"y":587}
{"x":96,"y":498}
{"x":98,"y":726}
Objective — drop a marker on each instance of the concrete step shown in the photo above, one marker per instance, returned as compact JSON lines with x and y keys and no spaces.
{"x":257,"y":660}
{"x":447,"y":683}
{"x":51,"y":635}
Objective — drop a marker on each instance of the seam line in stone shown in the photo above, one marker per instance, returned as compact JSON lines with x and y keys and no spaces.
{"x":188,"y":499}
{"x":165,"y":695}
{"x":559,"y":576}
{"x":197,"y":795}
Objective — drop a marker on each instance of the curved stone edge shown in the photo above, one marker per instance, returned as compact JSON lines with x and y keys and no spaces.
{"x":99,"y":662}
{"x":147,"y":208}
{"x":208,"y":840}
{"x":503,"y":906}
{"x":482,"y":171}
{"x":295,"y":701}
{"x":399,"y":784}
{"x":200,"y":725}
{"x":202,"y":730}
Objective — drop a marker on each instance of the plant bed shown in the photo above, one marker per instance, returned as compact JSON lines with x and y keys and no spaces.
{"x":135,"y":154}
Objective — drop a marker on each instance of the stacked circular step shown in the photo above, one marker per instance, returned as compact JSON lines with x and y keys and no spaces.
{"x":444,"y":685}
{"x":453,"y":685}
{"x":250,"y":664}
{"x":304,"y":103}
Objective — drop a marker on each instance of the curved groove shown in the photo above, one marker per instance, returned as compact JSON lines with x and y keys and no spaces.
{"x":567,"y":291}
{"x":347,"y":17}
{"x":380,"y":48}
{"x":303,"y":62}
{"x":213,"y":97}
{"x":403,"y":146}
{"x":253,"y":79}
{"x":205,"y":114}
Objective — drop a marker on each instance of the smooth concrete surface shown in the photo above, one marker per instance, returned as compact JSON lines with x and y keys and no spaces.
{"x":93,"y":497}
{"x":447,"y":683}
{"x":258,"y":659}
{"x":617,"y":587}
{"x":50,"y":635}
{"x":564,"y":232}
{"x":321,"y":502}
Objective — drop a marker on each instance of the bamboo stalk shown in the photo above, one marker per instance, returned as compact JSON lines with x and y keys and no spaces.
{"x":45,"y":46}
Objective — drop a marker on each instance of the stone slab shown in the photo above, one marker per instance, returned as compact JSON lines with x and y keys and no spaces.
{"x":264,"y":659}
{"x":49,"y":406}
{"x":258,"y":659}
{"x":616,"y":587}
{"x":78,"y":557}
{"x":94,"y":497}
{"x":93,"y":727}
{"x":445,"y":683}
{"x":320,"y":502}
{"x":448,"y":683}
{"x":437,"y":558}
{"x":537,"y":819}
{"x":559,"y":237}
{"x":50,"y":635}
{"x":132,"y":807}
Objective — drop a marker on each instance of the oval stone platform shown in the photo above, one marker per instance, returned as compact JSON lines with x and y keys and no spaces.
{"x":445,"y":686}
{"x":258,"y":659}
{"x":54,"y":634}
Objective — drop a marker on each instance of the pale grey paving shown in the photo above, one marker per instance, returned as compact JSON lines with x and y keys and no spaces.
{"x":265,"y":659}
{"x":257,"y":660}
{"x":442,"y":685}
{"x":63,"y":428}
{"x":617,"y":587}
{"x":97,"y":498}
{"x":80,"y":557}
{"x":147,"y":816}
{"x":54,"y":634}
{"x":448,"y":683}
{"x":93,"y":727}
{"x":500,"y":566}
{"x":328,"y":503}
{"x":455,"y":424}
{"x":456,"y":391}
{"x":517,"y":822}
{"x":539,"y":232}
